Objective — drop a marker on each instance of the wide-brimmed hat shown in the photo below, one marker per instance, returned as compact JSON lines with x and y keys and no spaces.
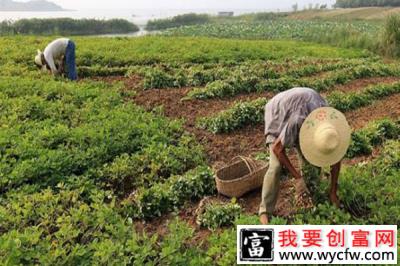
{"x":38,"y":58}
{"x":325,"y":137}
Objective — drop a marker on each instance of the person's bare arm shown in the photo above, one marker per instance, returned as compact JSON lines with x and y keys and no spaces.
{"x":335,"y":170}
{"x":62,"y":66}
{"x":279,"y":151}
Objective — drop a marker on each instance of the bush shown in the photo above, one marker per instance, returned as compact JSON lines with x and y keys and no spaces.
{"x":238,"y":116}
{"x":391,"y":36}
{"x":265,"y":16}
{"x":157,"y":78}
{"x":167,"y":196}
{"x":177,"y":21}
{"x":216,"y":215}
{"x":371,"y":136}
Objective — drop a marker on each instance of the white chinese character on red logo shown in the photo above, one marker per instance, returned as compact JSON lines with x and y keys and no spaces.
{"x":256,"y":250}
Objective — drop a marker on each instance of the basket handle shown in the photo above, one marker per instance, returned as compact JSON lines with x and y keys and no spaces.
{"x":251,"y":165}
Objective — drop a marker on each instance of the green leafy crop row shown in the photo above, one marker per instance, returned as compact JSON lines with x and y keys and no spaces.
{"x":217,"y":215}
{"x":62,"y":228}
{"x":125,"y":52}
{"x":353,"y":100}
{"x":240,"y":115}
{"x":200,"y":75}
{"x":372,"y":135}
{"x":53,"y":131}
{"x":164,"y":197}
{"x":245,"y":84}
{"x":247,"y":113}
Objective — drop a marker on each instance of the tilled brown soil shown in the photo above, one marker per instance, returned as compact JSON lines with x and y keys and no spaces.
{"x":222,"y":148}
{"x":388,"y":107}
{"x":174,"y":106}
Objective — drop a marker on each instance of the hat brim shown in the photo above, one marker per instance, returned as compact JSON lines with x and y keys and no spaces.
{"x":307,"y":145}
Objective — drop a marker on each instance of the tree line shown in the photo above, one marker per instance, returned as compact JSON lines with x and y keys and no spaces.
{"x":66,"y":26}
{"x":177,"y":21}
{"x":366,"y":3}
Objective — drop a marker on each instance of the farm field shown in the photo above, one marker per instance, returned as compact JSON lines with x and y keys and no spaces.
{"x":278,"y":29}
{"x":361,"y":13}
{"x":111,"y":169}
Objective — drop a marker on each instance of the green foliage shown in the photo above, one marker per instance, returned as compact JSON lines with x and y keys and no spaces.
{"x":156,"y":79}
{"x":100,"y":71}
{"x":216,"y":215}
{"x":391,"y":36}
{"x":369,"y":190}
{"x":367,"y":3}
{"x":66,"y":26}
{"x":240,"y":115}
{"x":71,"y":153}
{"x":67,"y":129}
{"x":62,"y":228}
{"x":373,"y":135}
{"x":251,"y":112}
{"x":255,"y":220}
{"x":352,"y":100}
{"x":167,"y":196}
{"x":324,"y":213}
{"x":175,"y":248}
{"x":149,"y":50}
{"x":177,"y":21}
{"x":222,"y":247}
{"x":250,"y":83}
{"x":263,"y":16}
{"x":354,"y":34}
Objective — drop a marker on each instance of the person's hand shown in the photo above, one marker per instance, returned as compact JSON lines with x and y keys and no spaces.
{"x":264,"y":219}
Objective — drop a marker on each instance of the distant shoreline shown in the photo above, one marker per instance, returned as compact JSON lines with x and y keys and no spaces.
{"x":38,"y":11}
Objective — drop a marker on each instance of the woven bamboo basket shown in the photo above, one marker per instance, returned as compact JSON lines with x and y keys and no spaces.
{"x":240,"y":176}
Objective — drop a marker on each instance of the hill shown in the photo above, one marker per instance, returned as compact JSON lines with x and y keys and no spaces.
{"x":34,"y":5}
{"x":367,"y":13}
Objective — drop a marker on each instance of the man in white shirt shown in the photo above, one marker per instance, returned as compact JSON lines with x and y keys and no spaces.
{"x":58,"y":53}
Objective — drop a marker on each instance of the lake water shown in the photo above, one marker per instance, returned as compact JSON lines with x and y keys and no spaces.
{"x":138,"y":16}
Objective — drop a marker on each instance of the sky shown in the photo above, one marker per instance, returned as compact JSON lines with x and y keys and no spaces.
{"x":184,"y":4}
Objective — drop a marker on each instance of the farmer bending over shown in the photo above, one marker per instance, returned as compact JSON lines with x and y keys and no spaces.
{"x":57,"y":54}
{"x":301,"y":118}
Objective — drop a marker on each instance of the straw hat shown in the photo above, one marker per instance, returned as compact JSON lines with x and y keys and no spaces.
{"x":38,"y":58}
{"x":325,"y":137}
